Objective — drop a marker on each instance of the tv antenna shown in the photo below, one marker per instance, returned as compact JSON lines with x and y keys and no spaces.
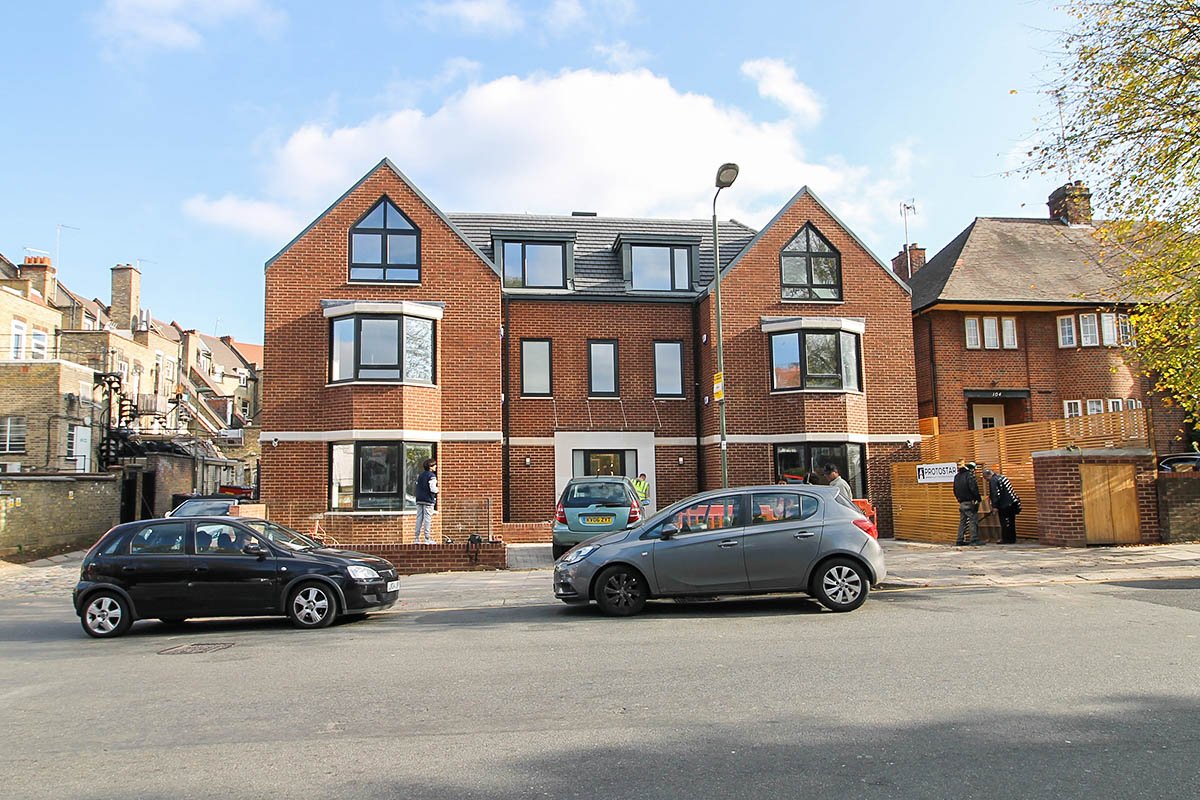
{"x":905,"y":209}
{"x":58,"y":229}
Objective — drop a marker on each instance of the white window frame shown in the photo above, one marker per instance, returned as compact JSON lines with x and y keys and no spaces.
{"x":1115,"y":404}
{"x":973,"y":338}
{"x":1108,"y":330}
{"x":1089,"y":338}
{"x":89,"y":322}
{"x":1072,"y":405}
{"x":1130,"y":404}
{"x":7,"y":424}
{"x":1008,"y":332}
{"x":1095,"y":406}
{"x":991,"y":333}
{"x":169,"y":371}
{"x":17,"y":343}
{"x":39,"y":344}
{"x":1073,"y":340}
{"x":1124,"y":330}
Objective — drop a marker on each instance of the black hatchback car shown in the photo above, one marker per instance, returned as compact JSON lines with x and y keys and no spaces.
{"x":173,"y":569}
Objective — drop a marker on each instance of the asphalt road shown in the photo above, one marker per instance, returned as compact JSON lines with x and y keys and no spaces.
{"x":1084,"y":690}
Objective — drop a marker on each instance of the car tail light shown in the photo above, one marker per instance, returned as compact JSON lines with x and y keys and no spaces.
{"x":867,"y":527}
{"x":560,"y":514}
{"x":635,"y":512}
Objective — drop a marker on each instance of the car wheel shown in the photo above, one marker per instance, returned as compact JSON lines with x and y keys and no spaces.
{"x":559,"y":550}
{"x":840,"y":584}
{"x":107,"y":614}
{"x":312,"y":605}
{"x":172,"y":620}
{"x":621,"y":591}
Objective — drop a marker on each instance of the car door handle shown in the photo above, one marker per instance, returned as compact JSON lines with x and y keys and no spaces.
{"x":200,"y":568}
{"x":803,"y":535}
{"x":729,"y":543}
{"x":128,"y":569}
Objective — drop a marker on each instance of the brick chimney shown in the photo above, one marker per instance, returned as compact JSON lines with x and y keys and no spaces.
{"x":40,"y":273}
{"x":126,"y":296}
{"x":901,"y":263}
{"x":1071,"y":203}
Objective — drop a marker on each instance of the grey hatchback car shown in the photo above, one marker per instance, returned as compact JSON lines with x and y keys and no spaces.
{"x":752,"y":540}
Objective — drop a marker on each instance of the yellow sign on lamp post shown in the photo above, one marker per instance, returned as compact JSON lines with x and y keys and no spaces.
{"x":718,"y":386}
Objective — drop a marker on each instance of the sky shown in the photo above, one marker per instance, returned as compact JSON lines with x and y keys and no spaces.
{"x":196,"y":138}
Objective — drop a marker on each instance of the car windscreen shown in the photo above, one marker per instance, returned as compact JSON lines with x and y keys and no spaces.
{"x":202,"y":508}
{"x":277,"y":534}
{"x":600,"y":493}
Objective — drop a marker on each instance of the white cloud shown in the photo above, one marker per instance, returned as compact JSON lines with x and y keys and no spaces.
{"x":624,"y":143}
{"x":475,"y":16}
{"x":563,"y":15}
{"x":621,"y":56}
{"x":777,"y":81}
{"x":139,"y":25}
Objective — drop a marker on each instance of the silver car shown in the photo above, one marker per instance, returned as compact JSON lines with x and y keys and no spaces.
{"x":750,"y":540}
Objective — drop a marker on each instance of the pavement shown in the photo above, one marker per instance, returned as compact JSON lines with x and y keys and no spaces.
{"x":911,"y":565}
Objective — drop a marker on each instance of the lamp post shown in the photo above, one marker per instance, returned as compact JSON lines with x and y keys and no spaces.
{"x":726,"y":175}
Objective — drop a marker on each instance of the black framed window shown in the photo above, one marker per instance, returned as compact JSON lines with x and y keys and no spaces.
{"x":815,"y":359}
{"x":662,"y":269}
{"x":385,"y":245}
{"x":382,"y":348}
{"x":810,"y":268}
{"x":805,"y":463}
{"x":668,"y":369}
{"x":535,"y":265}
{"x":536,"y":372}
{"x":603,"y":374}
{"x":376,"y":476}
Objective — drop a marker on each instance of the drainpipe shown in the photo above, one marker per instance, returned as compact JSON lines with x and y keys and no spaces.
{"x":697,"y":403}
{"x":505,"y":456}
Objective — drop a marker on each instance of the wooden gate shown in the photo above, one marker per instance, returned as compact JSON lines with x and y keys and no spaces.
{"x":1110,"y":508}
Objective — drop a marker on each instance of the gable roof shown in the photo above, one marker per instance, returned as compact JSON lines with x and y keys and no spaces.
{"x":804,"y":190}
{"x":412,"y":186}
{"x":1007,"y":260}
{"x":598,"y":268}
{"x":252,"y":354}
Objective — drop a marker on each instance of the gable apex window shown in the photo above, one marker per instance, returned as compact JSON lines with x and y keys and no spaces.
{"x":810,"y":269}
{"x":385,"y":246}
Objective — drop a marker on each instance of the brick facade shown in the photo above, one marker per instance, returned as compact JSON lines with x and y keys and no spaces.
{"x":1179,"y":506}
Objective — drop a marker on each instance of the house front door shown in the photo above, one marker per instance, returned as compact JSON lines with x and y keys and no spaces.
{"x":987,"y":416}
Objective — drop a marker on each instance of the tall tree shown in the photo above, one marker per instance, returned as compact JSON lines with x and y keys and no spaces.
{"x":1128,"y":89}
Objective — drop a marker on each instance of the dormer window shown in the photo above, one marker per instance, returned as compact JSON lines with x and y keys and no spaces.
{"x":535,"y":259}
{"x":810,"y":268}
{"x":658,"y":263}
{"x":385,"y":246}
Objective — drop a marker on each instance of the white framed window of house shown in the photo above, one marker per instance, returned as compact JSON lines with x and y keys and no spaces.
{"x":17,"y":341}
{"x":668,"y":369}
{"x":169,"y":372}
{"x":85,"y":391}
{"x":1124,"y":330}
{"x":536,"y":368}
{"x":1095,"y":406}
{"x":89,"y":322}
{"x":243,"y":378}
{"x":972,"y":330}
{"x":246,"y":409}
{"x":1114,"y":404}
{"x":1130,"y":404}
{"x":123,"y":371}
{"x":1066,"y":331}
{"x":12,"y":434}
{"x":1008,"y":329}
{"x":1072,"y":408}
{"x":991,"y":333}
{"x":1108,"y":330}
{"x":38,"y":345}
{"x":1089,"y":330}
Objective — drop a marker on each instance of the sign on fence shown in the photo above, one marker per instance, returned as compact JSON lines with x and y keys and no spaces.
{"x":937,"y":473}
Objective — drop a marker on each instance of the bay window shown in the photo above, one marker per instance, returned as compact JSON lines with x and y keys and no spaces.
{"x":382,"y":348}
{"x":375,"y":476}
{"x":815,"y":359}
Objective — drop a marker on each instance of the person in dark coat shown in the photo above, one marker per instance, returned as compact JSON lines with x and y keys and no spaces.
{"x":427,"y":492}
{"x":966,"y":492}
{"x":1004,"y":499}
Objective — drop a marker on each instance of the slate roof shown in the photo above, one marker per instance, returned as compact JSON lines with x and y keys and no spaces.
{"x":1006,"y":260}
{"x":597,"y":266}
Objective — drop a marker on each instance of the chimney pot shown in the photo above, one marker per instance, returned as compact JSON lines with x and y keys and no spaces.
{"x":905,"y":264}
{"x":1071,"y":203}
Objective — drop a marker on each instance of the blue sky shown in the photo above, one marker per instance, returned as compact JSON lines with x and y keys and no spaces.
{"x":199,"y":137}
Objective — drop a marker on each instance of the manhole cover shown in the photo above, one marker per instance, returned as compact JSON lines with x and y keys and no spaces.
{"x":193,"y":649}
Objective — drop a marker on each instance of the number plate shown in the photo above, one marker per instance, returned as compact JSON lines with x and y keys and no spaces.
{"x":599,"y":520}
{"x":393,"y":586}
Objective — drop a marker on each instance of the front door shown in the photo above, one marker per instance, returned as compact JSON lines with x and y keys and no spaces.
{"x":227,"y":581}
{"x":987,"y":416}
{"x":704,"y":554}
{"x":603,"y":462}
{"x":782,"y":540}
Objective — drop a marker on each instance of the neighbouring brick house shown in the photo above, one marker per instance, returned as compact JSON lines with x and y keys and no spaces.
{"x":526,"y":349}
{"x":1018,"y":320}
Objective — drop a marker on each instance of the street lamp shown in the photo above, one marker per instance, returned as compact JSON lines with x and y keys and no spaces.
{"x":726,"y":175}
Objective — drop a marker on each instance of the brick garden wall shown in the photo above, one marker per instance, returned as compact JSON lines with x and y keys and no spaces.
{"x":412,"y":559}
{"x":1179,"y":506}
{"x":1059,"y":485}
{"x":56,"y":513}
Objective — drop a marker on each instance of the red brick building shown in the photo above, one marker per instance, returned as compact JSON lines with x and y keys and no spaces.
{"x":524,"y":350}
{"x":1018,"y":320}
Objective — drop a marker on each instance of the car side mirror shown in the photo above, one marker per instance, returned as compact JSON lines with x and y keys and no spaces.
{"x":255,"y":549}
{"x":668,"y":531}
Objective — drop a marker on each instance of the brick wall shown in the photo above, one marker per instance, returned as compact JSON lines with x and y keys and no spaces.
{"x":1179,"y":506}
{"x":38,"y":391}
{"x":1060,"y":491}
{"x":411,"y":559}
{"x":56,"y":513}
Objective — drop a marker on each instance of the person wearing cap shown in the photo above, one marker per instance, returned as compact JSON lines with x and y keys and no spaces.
{"x":966,"y":492}
{"x":1004,"y":499}
{"x":838,"y":482}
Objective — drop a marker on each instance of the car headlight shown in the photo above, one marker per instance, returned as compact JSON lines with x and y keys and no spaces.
{"x":579,"y":554}
{"x":361,"y":573}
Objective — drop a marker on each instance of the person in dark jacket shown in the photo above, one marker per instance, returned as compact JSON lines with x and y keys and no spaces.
{"x":966,"y":492}
{"x":427,"y":492}
{"x":1004,"y":499}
